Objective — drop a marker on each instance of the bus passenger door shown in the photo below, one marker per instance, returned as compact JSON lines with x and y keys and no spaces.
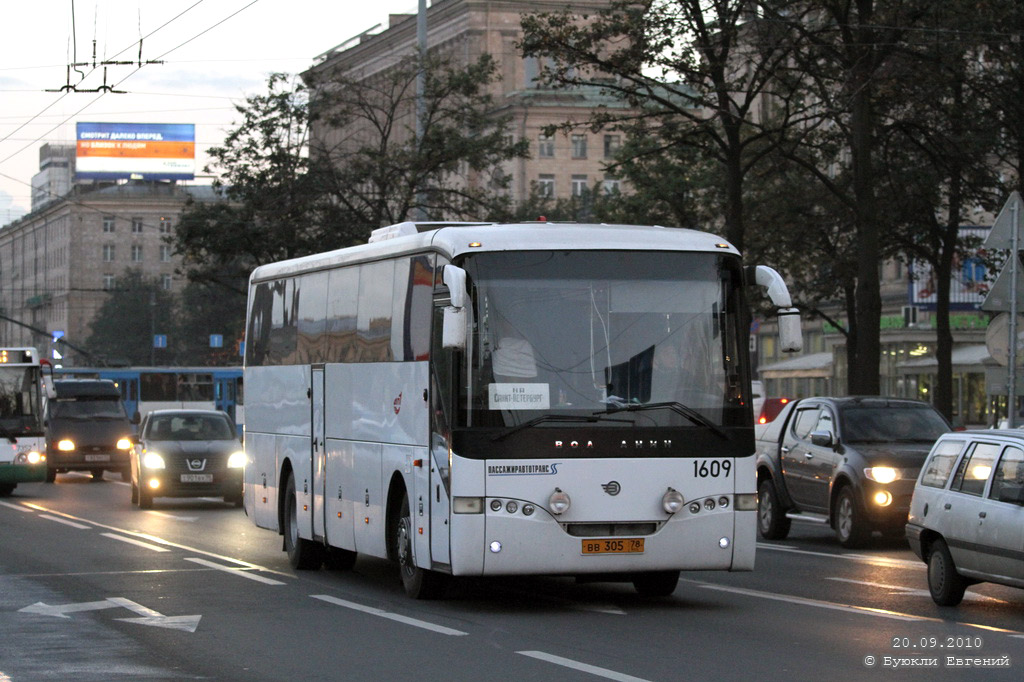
{"x":319,"y":451}
{"x":441,"y":397}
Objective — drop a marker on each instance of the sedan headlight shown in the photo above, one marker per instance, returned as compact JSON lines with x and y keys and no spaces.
{"x":65,"y":445}
{"x":236,"y":460}
{"x":124,"y":443}
{"x":152,"y":460}
{"x":883,"y":474}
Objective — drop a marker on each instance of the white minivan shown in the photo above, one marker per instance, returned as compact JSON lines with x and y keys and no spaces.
{"x":967,"y":512}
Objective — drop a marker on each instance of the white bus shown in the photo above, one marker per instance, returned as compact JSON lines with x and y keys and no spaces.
{"x":22,"y":439}
{"x":483,"y":400}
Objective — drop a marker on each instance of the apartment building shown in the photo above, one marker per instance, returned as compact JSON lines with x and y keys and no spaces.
{"x":58,"y":262}
{"x":561,"y":165}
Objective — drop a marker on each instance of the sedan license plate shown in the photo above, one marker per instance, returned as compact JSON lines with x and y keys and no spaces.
{"x":613,"y":546}
{"x":97,"y":458}
{"x":197,"y":478}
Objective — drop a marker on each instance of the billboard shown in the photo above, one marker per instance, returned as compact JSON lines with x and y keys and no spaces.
{"x":138,"y":151}
{"x":969,"y":283}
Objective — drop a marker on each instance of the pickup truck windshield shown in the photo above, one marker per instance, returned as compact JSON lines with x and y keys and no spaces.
{"x":888,"y":423}
{"x":585,"y":332}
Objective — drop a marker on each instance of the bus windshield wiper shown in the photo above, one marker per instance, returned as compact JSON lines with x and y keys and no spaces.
{"x":590,"y":418}
{"x":677,"y":407}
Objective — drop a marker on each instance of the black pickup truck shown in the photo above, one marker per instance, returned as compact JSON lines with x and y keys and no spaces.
{"x":848,"y":462}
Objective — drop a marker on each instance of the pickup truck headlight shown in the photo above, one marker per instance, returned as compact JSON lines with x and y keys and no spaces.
{"x":883,"y":474}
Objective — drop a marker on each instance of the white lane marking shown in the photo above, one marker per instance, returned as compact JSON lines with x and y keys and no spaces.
{"x":133,"y":541}
{"x":73,"y":524}
{"x":864,"y":558}
{"x":20,"y":508}
{"x":172,"y":517}
{"x":166,"y":543}
{"x":387,"y":614}
{"x":914,"y":591}
{"x":803,"y":601}
{"x":582,"y":667}
{"x":240,"y":572}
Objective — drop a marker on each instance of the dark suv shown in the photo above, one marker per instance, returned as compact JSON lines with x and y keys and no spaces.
{"x":849,"y":462}
{"x":87,"y":429}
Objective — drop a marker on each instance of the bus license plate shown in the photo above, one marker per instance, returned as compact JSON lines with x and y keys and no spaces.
{"x":197,"y":478}
{"x":613,"y":546}
{"x":97,"y":458}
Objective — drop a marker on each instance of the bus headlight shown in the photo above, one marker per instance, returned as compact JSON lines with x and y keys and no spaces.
{"x":882,"y":474}
{"x":236,"y":460}
{"x":559,"y":502}
{"x":30,"y":457}
{"x":467,"y":505}
{"x":124,"y":443}
{"x":152,"y":460}
{"x":65,"y":445}
{"x":672,"y":501}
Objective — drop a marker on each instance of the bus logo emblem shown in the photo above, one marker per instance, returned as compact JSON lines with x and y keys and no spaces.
{"x":611,"y":487}
{"x":398,"y":403}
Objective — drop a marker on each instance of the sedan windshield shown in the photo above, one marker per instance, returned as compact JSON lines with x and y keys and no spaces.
{"x":588,"y":333}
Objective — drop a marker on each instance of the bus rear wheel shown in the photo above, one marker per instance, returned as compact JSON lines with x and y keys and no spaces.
{"x":419,"y":583}
{"x":656,"y":583}
{"x":303,"y":555}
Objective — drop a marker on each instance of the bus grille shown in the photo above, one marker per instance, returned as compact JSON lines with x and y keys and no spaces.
{"x":604,"y":530}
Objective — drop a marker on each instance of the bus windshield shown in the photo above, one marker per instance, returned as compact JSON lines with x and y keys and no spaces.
{"x":636,"y":338}
{"x":19,"y":400}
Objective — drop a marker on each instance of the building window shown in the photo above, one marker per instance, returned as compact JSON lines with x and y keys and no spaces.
{"x":165,"y":282}
{"x":108,"y":223}
{"x":546,"y":186}
{"x":611,"y":185}
{"x":611,"y":145}
{"x":165,"y":225}
{"x":546,"y":147}
{"x":108,"y":282}
{"x":165,"y":253}
{"x":579,"y":146}
{"x":136,"y":253}
{"x":136,"y":225}
{"x":108,"y":253}
{"x":579,"y":185}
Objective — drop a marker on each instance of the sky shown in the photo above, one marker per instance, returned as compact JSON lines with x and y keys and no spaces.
{"x":214,"y":54}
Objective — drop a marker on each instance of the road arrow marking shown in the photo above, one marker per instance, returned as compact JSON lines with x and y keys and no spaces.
{"x":148,"y":615}
{"x":60,"y":610}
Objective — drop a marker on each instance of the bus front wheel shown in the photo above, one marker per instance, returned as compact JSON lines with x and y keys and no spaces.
{"x":304,"y":555}
{"x":419,"y":583}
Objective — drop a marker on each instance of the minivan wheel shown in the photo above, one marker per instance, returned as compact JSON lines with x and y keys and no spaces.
{"x":945,"y":584}
{"x":850,"y":526}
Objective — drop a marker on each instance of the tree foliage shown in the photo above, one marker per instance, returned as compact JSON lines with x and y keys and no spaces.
{"x":136,"y":309}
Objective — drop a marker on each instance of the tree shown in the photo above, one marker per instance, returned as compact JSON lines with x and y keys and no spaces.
{"x":135,"y":310}
{"x":379,"y":171}
{"x":694,"y":74}
{"x":275,"y":203}
{"x":206,"y":309}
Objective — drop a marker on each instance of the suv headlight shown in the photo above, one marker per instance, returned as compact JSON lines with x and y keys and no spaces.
{"x":236,"y":460}
{"x":883,"y":474}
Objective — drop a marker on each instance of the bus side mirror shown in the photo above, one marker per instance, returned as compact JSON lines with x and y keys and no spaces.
{"x":453,"y":332}
{"x":791,"y":338}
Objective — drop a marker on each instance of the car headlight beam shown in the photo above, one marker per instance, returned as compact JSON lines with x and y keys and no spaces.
{"x":236,"y":460}
{"x":883,"y":474}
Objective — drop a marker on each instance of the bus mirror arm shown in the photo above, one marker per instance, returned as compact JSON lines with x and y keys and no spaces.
{"x":790,"y":334}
